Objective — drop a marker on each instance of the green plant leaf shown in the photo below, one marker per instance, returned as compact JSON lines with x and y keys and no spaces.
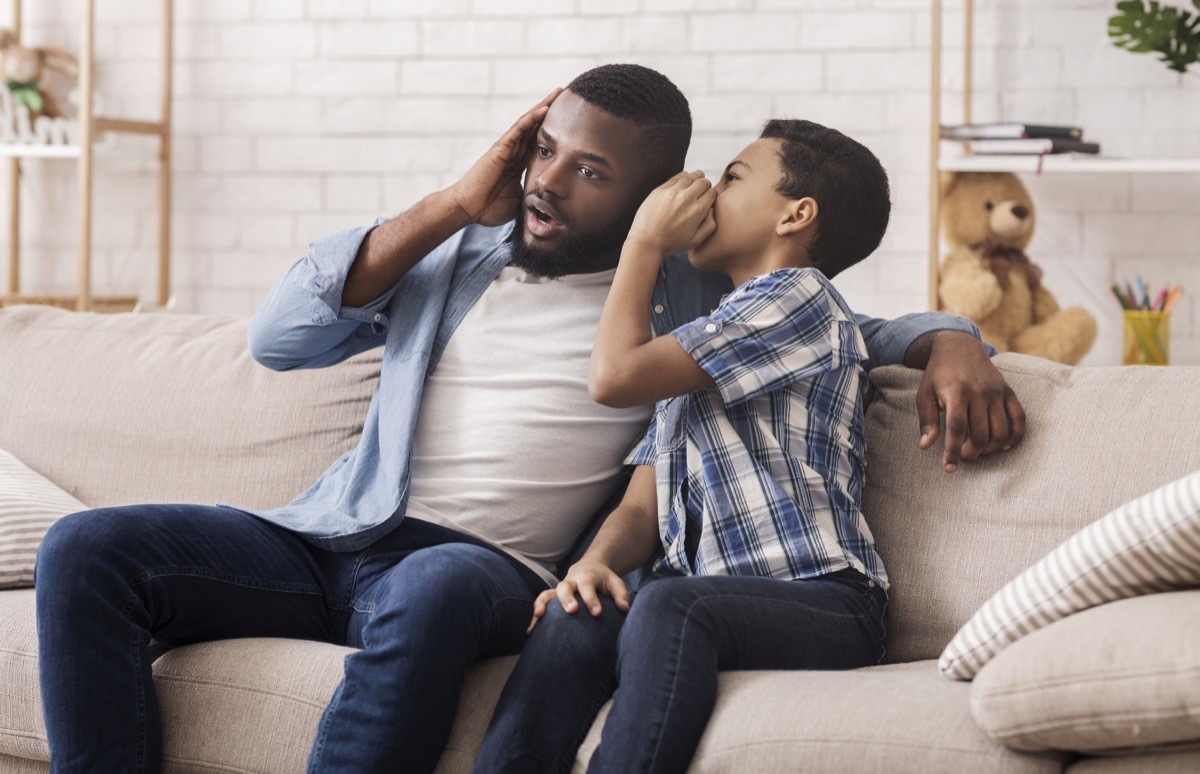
{"x":1148,"y":27}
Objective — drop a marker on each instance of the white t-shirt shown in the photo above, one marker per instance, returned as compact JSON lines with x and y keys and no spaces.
{"x":509,"y":447}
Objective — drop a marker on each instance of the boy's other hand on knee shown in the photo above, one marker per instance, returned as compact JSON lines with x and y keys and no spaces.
{"x":585,"y":581}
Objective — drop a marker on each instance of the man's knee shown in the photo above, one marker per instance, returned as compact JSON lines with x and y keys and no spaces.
{"x":457,"y":574}
{"x":579,"y":630}
{"x":71,"y":540}
{"x":77,"y":547}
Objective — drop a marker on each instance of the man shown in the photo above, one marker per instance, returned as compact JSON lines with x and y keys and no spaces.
{"x":481,"y":459}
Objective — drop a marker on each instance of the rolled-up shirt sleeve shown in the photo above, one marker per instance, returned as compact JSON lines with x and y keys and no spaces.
{"x":888,"y":340}
{"x":776,"y":329}
{"x":302,"y":322}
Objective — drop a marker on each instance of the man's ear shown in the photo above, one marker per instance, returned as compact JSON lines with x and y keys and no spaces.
{"x":798,"y":215}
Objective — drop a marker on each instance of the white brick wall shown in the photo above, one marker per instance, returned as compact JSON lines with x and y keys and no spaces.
{"x":297,"y":117}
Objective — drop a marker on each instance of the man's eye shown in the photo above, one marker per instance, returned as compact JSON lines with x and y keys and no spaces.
{"x":543,"y":151}
{"x":589,"y":173}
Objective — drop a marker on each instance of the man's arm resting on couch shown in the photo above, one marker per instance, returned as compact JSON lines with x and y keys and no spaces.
{"x":983,"y":414}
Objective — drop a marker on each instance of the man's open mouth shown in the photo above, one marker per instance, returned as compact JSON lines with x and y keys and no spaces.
{"x":541,"y":219}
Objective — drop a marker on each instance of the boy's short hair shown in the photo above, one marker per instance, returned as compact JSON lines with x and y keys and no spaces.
{"x":647,"y":98}
{"x":848,"y":183}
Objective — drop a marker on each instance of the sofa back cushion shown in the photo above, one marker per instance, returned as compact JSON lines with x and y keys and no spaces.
{"x":126,"y":408}
{"x":1096,"y":438}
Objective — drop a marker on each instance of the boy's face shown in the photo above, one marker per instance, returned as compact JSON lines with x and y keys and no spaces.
{"x":587,"y":175}
{"x":747,"y":210}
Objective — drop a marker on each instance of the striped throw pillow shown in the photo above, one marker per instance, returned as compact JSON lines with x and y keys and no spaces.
{"x":29,"y":504}
{"x":1149,"y":545}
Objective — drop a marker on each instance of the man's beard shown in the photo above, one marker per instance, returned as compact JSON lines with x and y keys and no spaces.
{"x":580,"y":254}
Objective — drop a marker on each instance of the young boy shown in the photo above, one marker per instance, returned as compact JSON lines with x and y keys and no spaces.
{"x":748,"y":482}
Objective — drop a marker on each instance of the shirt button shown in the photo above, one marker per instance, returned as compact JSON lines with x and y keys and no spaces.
{"x":711,"y":328}
{"x":378,"y":317}
{"x":658,"y":309}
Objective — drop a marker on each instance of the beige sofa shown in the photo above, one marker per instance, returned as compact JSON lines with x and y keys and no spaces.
{"x":130,"y":408}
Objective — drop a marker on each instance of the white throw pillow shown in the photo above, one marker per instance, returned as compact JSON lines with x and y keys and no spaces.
{"x":29,"y":504}
{"x":1149,"y":545}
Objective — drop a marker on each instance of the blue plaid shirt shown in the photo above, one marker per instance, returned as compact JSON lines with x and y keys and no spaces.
{"x":763,"y":473}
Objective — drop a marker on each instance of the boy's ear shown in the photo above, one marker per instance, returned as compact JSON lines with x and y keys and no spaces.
{"x":797,"y":216}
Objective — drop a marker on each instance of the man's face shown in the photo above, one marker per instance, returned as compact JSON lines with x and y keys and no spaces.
{"x":586,"y":177}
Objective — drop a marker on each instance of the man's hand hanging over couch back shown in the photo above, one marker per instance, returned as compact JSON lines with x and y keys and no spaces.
{"x":983,"y":414}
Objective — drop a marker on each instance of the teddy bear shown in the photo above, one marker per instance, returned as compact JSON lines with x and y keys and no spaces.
{"x":987,"y":220}
{"x":22,"y":71}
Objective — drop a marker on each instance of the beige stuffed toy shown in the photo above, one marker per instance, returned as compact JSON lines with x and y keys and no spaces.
{"x":987,"y":220}
{"x":22,"y":71}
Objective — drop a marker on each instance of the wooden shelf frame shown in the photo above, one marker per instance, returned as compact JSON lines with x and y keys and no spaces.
{"x":1056,"y":163}
{"x":90,"y":127}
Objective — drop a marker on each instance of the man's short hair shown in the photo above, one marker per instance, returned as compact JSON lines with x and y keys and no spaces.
{"x":848,"y":183}
{"x":647,"y":98}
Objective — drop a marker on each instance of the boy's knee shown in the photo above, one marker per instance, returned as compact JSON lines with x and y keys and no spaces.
{"x":666,"y":605}
{"x":667,"y":597}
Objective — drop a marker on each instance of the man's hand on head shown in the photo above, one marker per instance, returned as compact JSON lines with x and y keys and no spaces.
{"x":490,"y":192}
{"x":983,"y":414}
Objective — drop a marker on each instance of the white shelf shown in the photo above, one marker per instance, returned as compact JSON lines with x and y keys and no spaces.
{"x":1066,"y":163}
{"x":15,"y":150}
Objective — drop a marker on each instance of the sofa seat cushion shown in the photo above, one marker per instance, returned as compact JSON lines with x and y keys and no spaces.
{"x":249,"y":705}
{"x":1184,"y":762}
{"x":1116,"y":677}
{"x":900,"y":718}
{"x":12,"y":765}
{"x":252,"y":705}
{"x":22,"y":732}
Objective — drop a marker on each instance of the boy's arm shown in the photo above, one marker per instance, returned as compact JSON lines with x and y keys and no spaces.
{"x":626,"y":541}
{"x":629,"y":366}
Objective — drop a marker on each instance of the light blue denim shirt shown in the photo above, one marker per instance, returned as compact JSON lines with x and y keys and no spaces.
{"x":302,"y":324}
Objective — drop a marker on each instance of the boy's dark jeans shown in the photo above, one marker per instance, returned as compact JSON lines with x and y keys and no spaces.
{"x":662,"y":659}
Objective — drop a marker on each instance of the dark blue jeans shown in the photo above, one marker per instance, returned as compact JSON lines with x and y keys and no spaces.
{"x":422,"y":603}
{"x":662,"y":660}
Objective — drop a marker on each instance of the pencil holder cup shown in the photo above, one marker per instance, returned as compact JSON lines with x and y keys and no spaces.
{"x":1147,"y":338}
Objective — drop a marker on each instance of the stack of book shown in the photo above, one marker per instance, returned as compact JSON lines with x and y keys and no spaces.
{"x":1020,"y":139}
